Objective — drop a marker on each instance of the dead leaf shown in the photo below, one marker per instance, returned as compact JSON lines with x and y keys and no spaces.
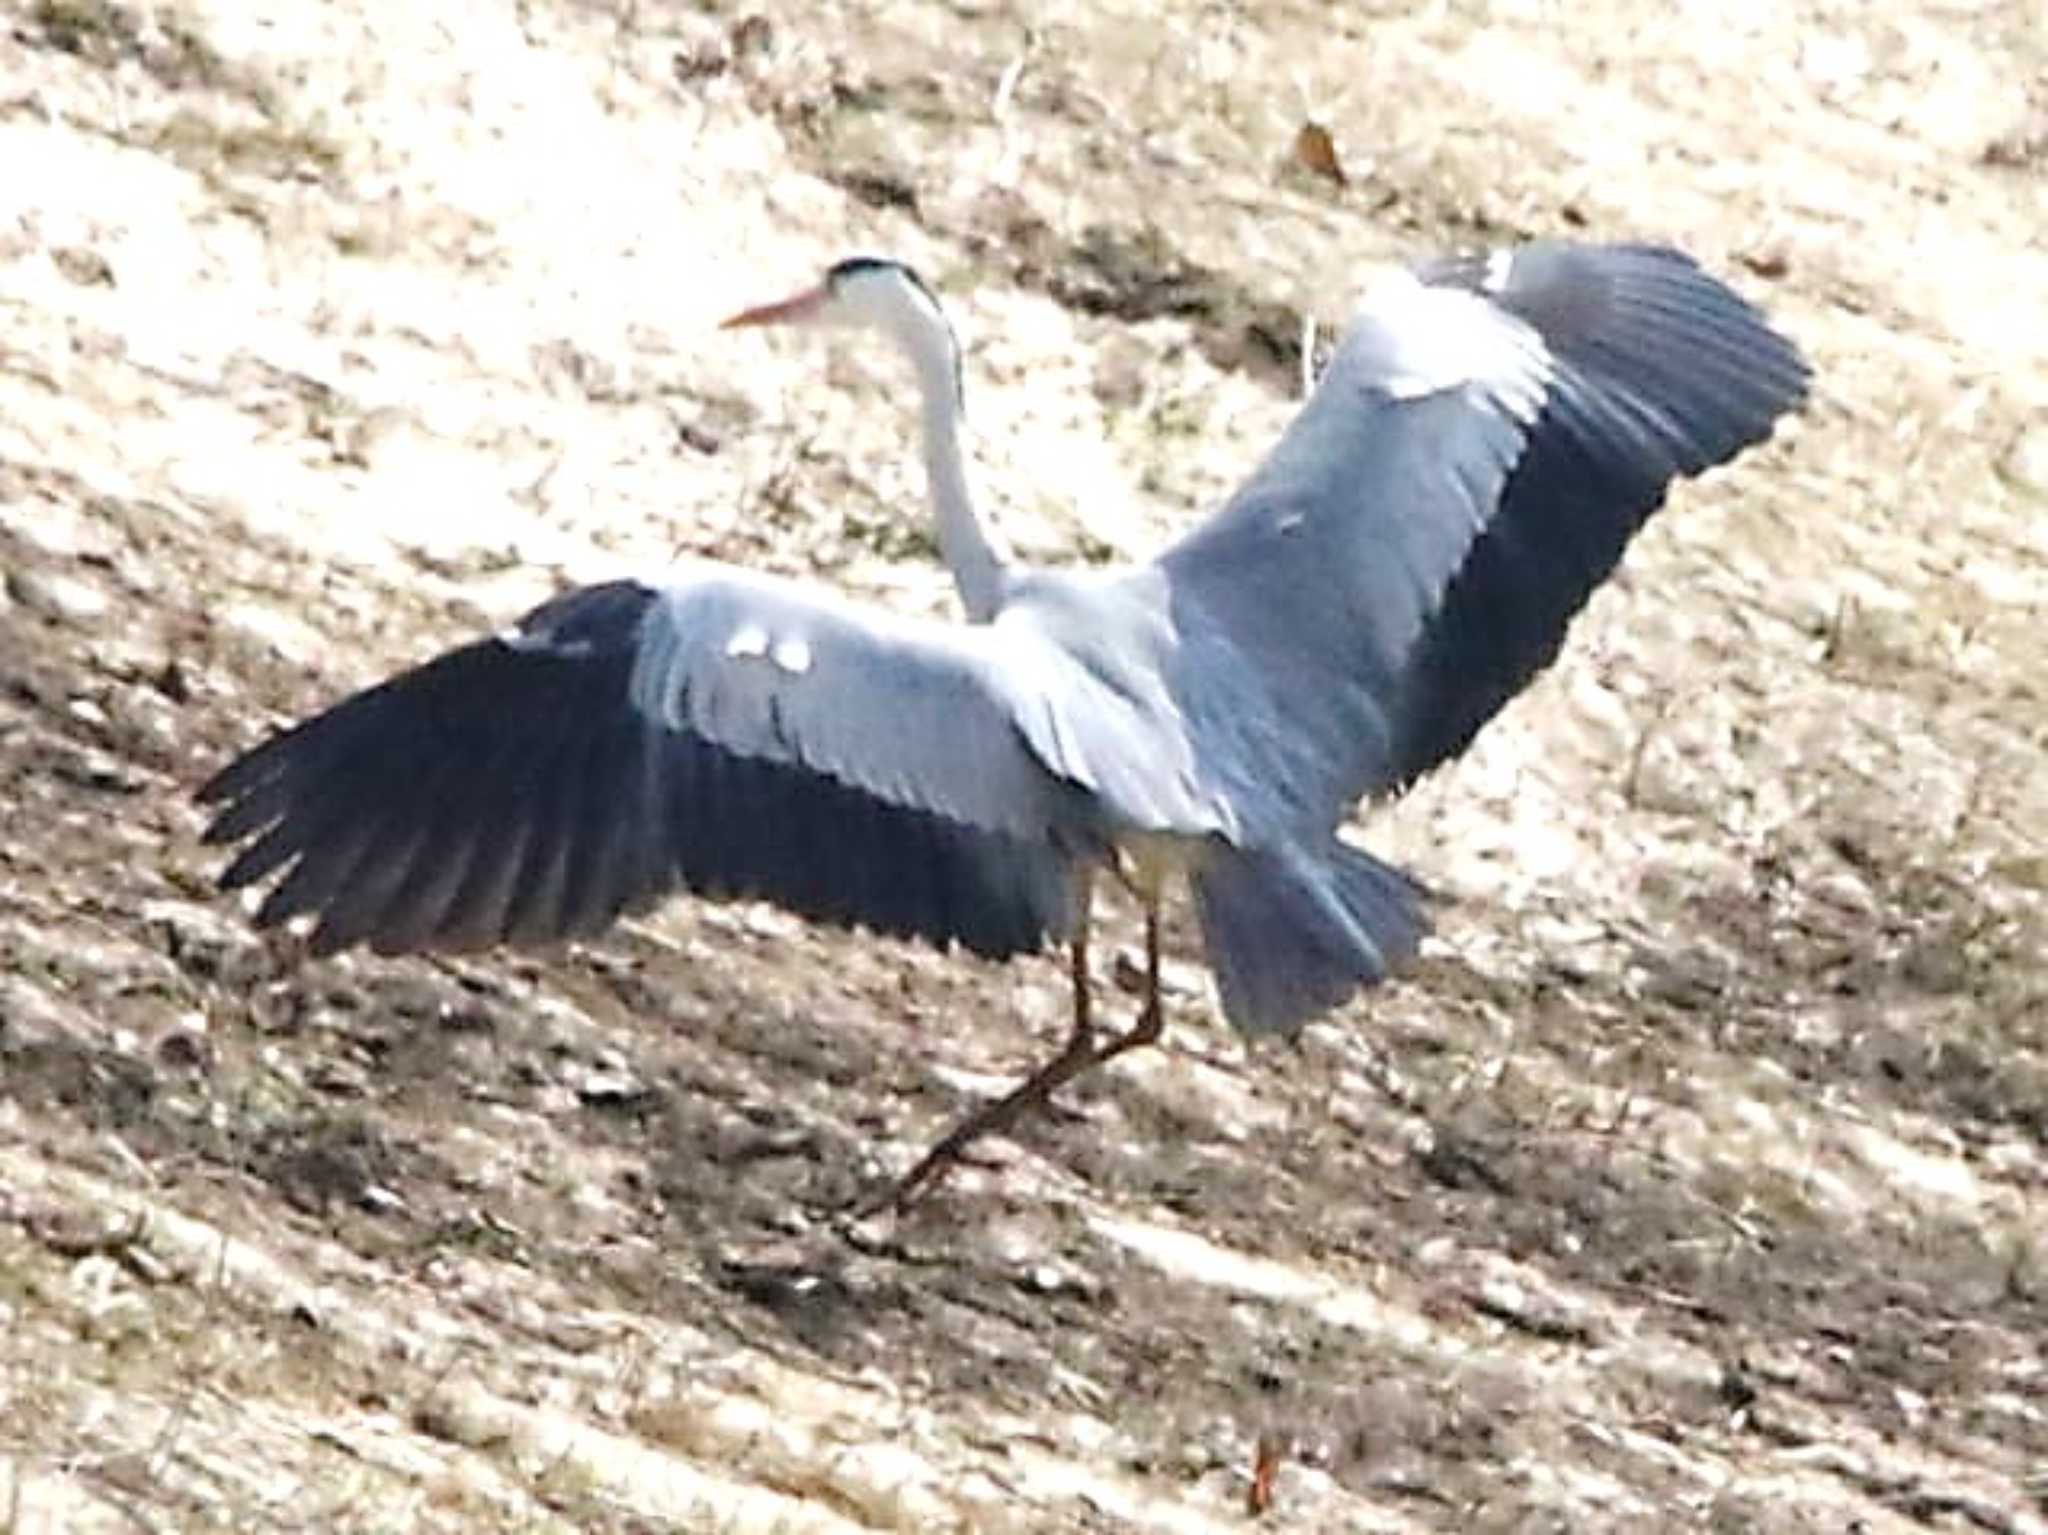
{"x":1265,"y":1471}
{"x":1316,"y":152}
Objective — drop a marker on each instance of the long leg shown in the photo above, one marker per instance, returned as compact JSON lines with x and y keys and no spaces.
{"x":1152,"y":1016}
{"x":1081,"y":1054}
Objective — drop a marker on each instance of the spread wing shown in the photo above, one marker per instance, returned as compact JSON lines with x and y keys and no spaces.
{"x":1491,"y":433}
{"x":730,"y":735}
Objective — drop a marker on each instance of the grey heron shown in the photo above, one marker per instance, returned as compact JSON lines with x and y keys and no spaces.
{"x":1489,"y":434}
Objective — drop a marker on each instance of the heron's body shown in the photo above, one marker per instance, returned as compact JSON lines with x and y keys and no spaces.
{"x":1486,"y":441}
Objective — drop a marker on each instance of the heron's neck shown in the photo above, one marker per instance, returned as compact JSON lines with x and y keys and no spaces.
{"x":973,"y":549}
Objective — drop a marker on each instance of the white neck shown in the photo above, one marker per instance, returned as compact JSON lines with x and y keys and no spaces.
{"x":974,"y":551}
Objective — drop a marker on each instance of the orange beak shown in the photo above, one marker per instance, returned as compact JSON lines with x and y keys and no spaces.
{"x":790,"y":311}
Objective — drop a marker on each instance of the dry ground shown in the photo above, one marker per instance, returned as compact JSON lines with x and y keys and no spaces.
{"x":1695,"y":1180}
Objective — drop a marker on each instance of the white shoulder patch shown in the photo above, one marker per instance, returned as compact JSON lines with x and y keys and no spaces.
{"x":1500,"y":266}
{"x":1410,"y":340}
{"x":793,"y":654}
{"x":747,"y":640}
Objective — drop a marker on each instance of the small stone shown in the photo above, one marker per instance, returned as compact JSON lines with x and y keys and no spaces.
{"x":83,"y":265}
{"x":184,"y":1047}
{"x":283,"y":635}
{"x":612,"y":1089}
{"x":63,"y":598}
{"x":2024,"y":464}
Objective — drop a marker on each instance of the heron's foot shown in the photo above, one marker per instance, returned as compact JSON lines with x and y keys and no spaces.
{"x":931,"y":1168}
{"x":947,"y":1152}
{"x":1082,"y":1054}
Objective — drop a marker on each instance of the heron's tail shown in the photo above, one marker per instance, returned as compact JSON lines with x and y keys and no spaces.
{"x":1292,"y":932}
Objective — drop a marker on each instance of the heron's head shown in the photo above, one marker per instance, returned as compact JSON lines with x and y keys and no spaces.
{"x":873,"y":292}
{"x":861,"y":290}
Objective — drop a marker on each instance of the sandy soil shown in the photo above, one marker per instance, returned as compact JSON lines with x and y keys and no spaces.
{"x":1696,"y":1179}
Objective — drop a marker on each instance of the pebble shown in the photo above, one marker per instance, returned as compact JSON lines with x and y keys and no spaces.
{"x":63,"y":598}
{"x":2024,"y":464}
